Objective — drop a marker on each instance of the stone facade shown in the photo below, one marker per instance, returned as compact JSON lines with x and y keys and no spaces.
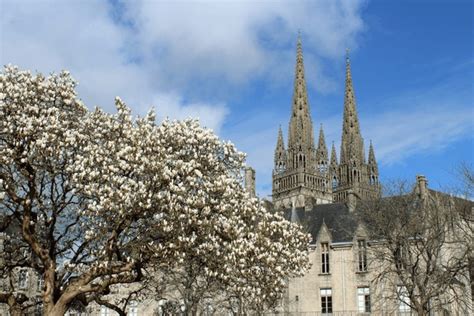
{"x":21,"y":282}
{"x":300,"y":174}
{"x":345,"y":267}
{"x":303,"y":174}
{"x":321,"y":193}
{"x":313,"y":188}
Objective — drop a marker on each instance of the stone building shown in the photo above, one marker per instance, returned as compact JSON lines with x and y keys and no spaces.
{"x":313,"y":188}
{"x":18,"y":283}
{"x":303,"y":174}
{"x":321,"y":193}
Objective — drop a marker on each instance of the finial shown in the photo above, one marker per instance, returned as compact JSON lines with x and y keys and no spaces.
{"x":298,"y":41}
{"x":347,"y":54}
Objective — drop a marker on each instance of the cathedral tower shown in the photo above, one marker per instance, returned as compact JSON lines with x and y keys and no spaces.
{"x":300,"y":175}
{"x":353,"y":173}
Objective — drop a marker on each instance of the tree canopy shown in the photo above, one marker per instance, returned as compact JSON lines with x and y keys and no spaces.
{"x":100,"y":198}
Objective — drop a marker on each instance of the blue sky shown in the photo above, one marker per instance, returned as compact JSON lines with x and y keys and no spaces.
{"x":231,"y":64}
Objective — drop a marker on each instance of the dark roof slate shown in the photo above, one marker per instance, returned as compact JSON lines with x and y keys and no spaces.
{"x":341,"y":223}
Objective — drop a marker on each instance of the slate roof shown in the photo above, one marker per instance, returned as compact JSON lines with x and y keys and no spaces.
{"x":341,"y":223}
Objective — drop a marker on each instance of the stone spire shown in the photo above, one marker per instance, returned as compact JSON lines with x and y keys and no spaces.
{"x":322,"y":151}
{"x":372,"y":161}
{"x":352,"y":148}
{"x":300,"y":134}
{"x":372,"y":168}
{"x":333,"y":155}
{"x":333,"y":167}
{"x":280,"y":153}
{"x":354,"y":177}
{"x":298,"y":179}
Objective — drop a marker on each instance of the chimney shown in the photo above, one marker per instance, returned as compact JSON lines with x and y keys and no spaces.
{"x":421,"y":185}
{"x":250,"y":181}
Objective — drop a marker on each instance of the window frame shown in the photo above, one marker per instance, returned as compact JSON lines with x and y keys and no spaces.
{"x":325,"y":267}
{"x":40,"y":283}
{"x":326,"y":301}
{"x":132,"y":309}
{"x":362,"y":265}
{"x":104,"y":311}
{"x":363,"y":300}
{"x":403,"y":300}
{"x":23,"y":282}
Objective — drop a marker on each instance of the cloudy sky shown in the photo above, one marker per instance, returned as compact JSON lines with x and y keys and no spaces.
{"x":231,"y":63}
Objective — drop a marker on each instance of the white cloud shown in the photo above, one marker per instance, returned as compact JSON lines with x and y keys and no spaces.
{"x":399,"y":134}
{"x":163,"y":54}
{"x":237,"y":40}
{"x":142,"y":50}
{"x":166,"y":54}
{"x":173,"y":106}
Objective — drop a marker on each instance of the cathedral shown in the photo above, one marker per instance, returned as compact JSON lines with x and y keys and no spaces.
{"x":305,"y":175}
{"x":322,"y":193}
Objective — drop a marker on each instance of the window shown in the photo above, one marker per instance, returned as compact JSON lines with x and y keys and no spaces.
{"x":104,"y":311}
{"x":363,"y":299}
{"x":22,"y":279}
{"x":324,"y":258}
{"x":38,"y":309}
{"x":362,"y":255}
{"x":398,"y":254}
{"x":322,"y":166}
{"x":40,"y":283}
{"x":334,"y":182}
{"x":403,"y":300}
{"x":133,"y":308}
{"x":26,"y":254}
{"x":326,"y":301}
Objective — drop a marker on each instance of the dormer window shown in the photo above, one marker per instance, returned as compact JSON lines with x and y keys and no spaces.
{"x":362,"y":255}
{"x":325,"y":258}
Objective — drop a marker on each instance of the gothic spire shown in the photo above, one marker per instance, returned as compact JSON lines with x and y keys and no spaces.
{"x":280,"y":153}
{"x":301,"y":127}
{"x":352,"y":143}
{"x":333,"y":155}
{"x":280,"y":143}
{"x":322,"y":151}
{"x":372,"y":160}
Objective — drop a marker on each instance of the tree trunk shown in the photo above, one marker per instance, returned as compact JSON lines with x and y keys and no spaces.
{"x":422,"y":312}
{"x":15,"y":308}
{"x":58,"y":310}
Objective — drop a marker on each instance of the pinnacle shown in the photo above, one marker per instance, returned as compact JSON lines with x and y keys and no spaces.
{"x":300,"y":132}
{"x":280,"y":142}
{"x":372,"y":154}
{"x":300,"y":97}
{"x":322,"y":152}
{"x":333,"y":155}
{"x":322,"y":141}
{"x":352,"y":143}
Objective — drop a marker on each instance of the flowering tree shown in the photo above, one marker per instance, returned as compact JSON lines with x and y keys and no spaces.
{"x":101,"y":197}
{"x":197,"y":214}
